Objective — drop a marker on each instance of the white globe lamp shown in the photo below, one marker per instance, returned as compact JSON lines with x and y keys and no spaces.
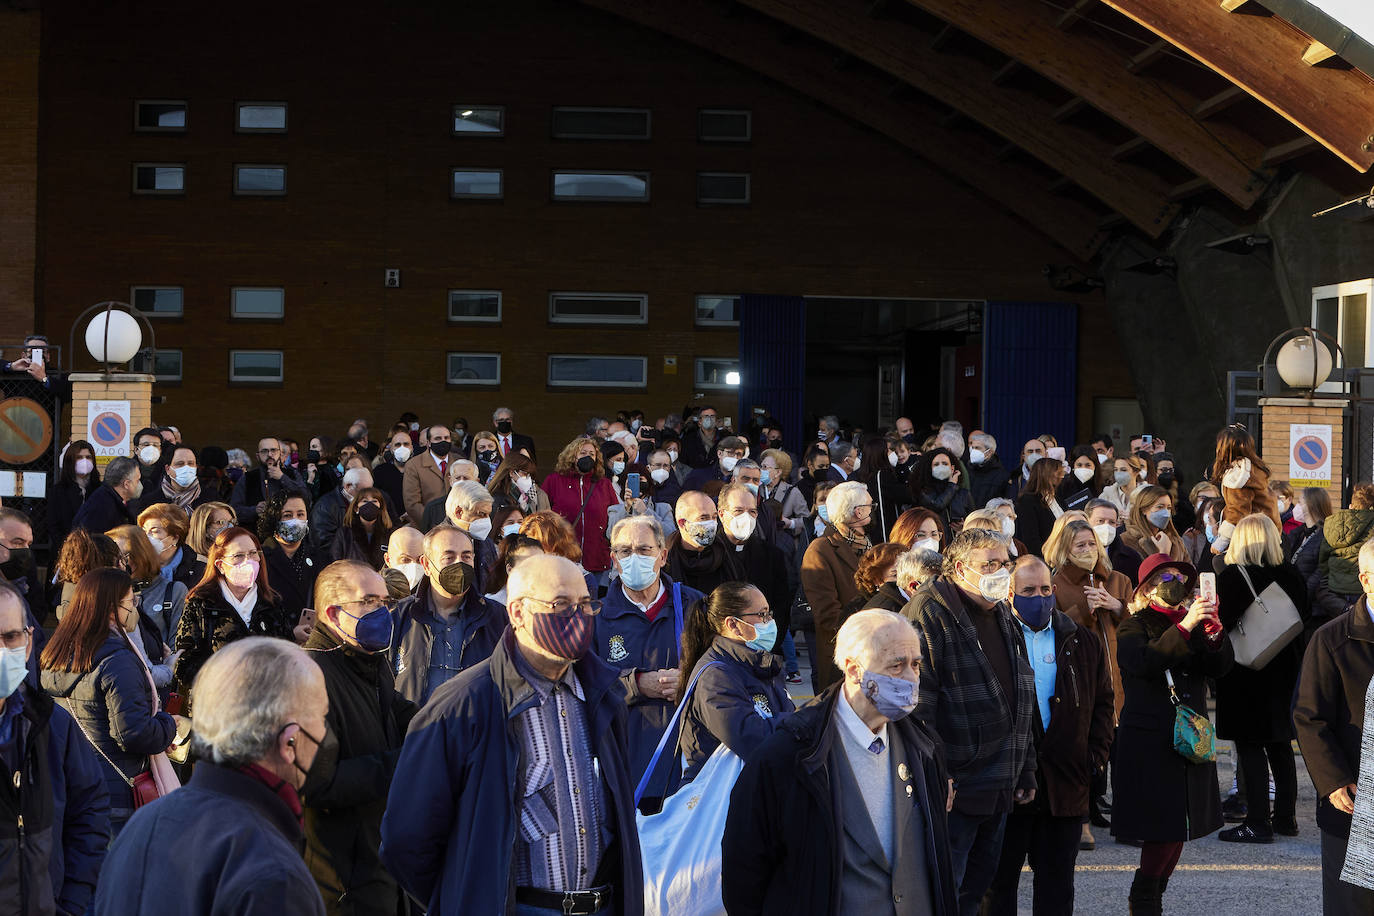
{"x":1303,"y":362}
{"x":116,"y":343}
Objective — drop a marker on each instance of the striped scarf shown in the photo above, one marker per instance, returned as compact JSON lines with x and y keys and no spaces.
{"x":184,"y":497}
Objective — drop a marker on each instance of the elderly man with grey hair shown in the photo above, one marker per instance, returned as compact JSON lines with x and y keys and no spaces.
{"x":828,"y":569}
{"x":843,"y":807}
{"x":979,"y":695}
{"x":259,"y":733}
{"x":914,"y":569}
{"x":108,"y":506}
{"x":328,"y":512}
{"x":468,"y":506}
{"x":987,"y":476}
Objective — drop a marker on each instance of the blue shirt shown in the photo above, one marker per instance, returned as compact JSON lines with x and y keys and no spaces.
{"x":1040,"y":648}
{"x":446,"y":649}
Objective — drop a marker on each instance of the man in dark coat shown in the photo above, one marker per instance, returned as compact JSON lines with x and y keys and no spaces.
{"x":54,"y":788}
{"x":697,"y":554}
{"x":1329,"y":717}
{"x":748,"y":554}
{"x":699,"y":439}
{"x":507,"y":439}
{"x":843,"y":808}
{"x":1074,"y":722}
{"x":263,"y":482}
{"x":728,"y":453}
{"x":368,"y":719}
{"x":107,"y":506}
{"x":465,"y":830}
{"x":232,"y":833}
{"x":988,"y":476}
{"x":978,"y":693}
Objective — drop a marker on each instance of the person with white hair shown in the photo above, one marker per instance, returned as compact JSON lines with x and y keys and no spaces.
{"x":987,"y":475}
{"x":914,"y":569}
{"x":327,"y":514}
{"x":259,"y":733}
{"x":843,"y":808}
{"x":468,"y":506}
{"x":828,"y":568}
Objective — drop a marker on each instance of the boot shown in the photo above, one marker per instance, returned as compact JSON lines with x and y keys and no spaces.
{"x":1146,"y":895}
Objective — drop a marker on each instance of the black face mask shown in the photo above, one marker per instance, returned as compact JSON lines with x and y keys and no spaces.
{"x":1166,"y":479}
{"x":487,"y":455}
{"x":585,"y":464}
{"x":441,"y":448}
{"x":1173,"y":592}
{"x":326,"y":758}
{"x":503,"y":427}
{"x":775,"y":443}
{"x":18,"y":563}
{"x":456,"y":577}
{"x":312,"y":456}
{"x":397,"y":585}
{"x":369,"y":512}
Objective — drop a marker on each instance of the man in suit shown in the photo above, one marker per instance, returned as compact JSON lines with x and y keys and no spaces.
{"x":507,"y":439}
{"x":426,"y":475}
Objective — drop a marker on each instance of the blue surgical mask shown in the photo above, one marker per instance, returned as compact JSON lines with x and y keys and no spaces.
{"x":823,"y":513}
{"x":14,"y":665}
{"x":753,"y":488}
{"x":508,"y":530}
{"x":1034,"y":610}
{"x":894,"y":697}
{"x":636,"y":572}
{"x":373,"y":631}
{"x":765,"y":477}
{"x":765,"y":634}
{"x":1211,"y":534}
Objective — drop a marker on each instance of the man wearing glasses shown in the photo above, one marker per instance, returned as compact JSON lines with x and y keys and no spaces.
{"x":257,"y":486}
{"x":60,"y":795}
{"x":978,"y":693}
{"x":345,"y":793}
{"x":518,"y":767}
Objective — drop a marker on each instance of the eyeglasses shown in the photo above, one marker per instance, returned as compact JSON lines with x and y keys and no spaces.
{"x":621,"y":553}
{"x":562,"y":607}
{"x":16,"y":639}
{"x":373,"y":602}
{"x":234,"y":559}
{"x":765,"y":616}
{"x":992,"y":566}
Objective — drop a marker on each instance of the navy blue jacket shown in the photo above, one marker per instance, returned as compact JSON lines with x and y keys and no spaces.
{"x":59,"y":791}
{"x":411,"y":638}
{"x":237,"y":853}
{"x":730,"y":702}
{"x":102,"y":510}
{"x":628,"y":640}
{"x":451,"y":818}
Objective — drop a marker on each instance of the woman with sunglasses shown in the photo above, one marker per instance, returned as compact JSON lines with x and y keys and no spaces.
{"x":232,"y":601}
{"x":740,"y":701}
{"x":1159,"y":796}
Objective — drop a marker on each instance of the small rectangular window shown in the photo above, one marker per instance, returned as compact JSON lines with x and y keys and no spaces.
{"x":165,"y":366}
{"x":160,"y":116}
{"x":612,"y":186}
{"x":717,"y":372}
{"x":261,"y":118}
{"x":474,"y":368}
{"x":577,"y":371}
{"x":477,"y":183}
{"x":257,"y":302}
{"x":260,"y":367}
{"x":722,"y":188}
{"x":260,"y":180}
{"x":598,"y":308}
{"x":474,"y":305}
{"x":720,"y":311}
{"x":601,"y":123}
{"x":725,"y":125}
{"x":157,"y":301}
{"x":167,"y":178}
{"x":479,"y":120}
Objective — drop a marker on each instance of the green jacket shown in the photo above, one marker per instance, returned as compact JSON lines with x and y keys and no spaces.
{"x":1346,"y":531}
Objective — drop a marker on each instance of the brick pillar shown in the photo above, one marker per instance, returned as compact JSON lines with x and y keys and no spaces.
{"x":116,"y":386}
{"x":1278,"y":415}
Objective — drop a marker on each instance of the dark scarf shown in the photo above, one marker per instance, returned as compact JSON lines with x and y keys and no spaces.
{"x":279,"y":787}
{"x":184,"y":497}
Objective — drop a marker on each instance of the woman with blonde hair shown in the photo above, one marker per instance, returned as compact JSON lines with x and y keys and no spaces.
{"x":1088,"y":589}
{"x":207,"y":521}
{"x":579,"y":491}
{"x":1149,"y":530}
{"x":1254,"y":705}
{"x":1128,"y":475}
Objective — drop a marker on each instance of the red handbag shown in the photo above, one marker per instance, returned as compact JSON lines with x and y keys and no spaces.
{"x":143,"y":785}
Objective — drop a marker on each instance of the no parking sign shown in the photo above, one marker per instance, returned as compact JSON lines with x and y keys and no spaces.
{"x":108,"y":428}
{"x":1309,"y":455}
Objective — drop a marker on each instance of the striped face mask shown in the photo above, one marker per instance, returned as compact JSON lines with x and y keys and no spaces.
{"x":567,"y":638}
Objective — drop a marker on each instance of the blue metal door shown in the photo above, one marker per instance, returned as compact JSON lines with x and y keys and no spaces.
{"x":772,"y":362}
{"x":1030,"y":373}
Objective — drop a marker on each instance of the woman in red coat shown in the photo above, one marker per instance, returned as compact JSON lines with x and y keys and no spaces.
{"x":579,"y":491}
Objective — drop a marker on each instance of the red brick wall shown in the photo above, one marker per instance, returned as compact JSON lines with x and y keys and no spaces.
{"x":19,"y":34}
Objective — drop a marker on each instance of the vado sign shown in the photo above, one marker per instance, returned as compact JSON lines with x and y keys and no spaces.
{"x":108,"y":429}
{"x":1309,"y":455}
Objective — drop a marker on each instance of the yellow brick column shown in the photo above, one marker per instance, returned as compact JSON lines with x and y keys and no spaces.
{"x":135,"y":388}
{"x":1278,"y":415}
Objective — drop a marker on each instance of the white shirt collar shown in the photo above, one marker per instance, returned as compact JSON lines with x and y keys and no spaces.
{"x":648,"y":604}
{"x":243,"y":608}
{"x":436,"y":459}
{"x":854,"y":728}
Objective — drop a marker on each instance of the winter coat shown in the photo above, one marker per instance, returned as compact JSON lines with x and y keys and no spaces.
{"x":629,"y":641}
{"x":889,"y":498}
{"x":255,"y":486}
{"x":704,"y":569}
{"x":1034,"y":521}
{"x":948,"y":500}
{"x":293,"y":577}
{"x":113,"y":704}
{"x":783,"y":849}
{"x":827,"y":576}
{"x":1329,"y":713}
{"x":412,"y":639}
{"x":208,"y":624}
{"x":1258,"y":705}
{"x":887,"y":598}
{"x":345,"y":802}
{"x":102,"y":510}
{"x":352,"y":545}
{"x":584,"y":500}
{"x":59,"y":793}
{"x":64,"y":501}
{"x":1069,"y":581}
{"x":737,"y":703}
{"x":236,"y":853}
{"x":1346,"y":531}
{"x":449,"y":830}
{"x":986,"y":734}
{"x":387,"y":477}
{"x":1158,"y":795}
{"x":988,"y":481}
{"x":1079,"y":736}
{"x":1245,"y":489}
{"x":326,"y":517}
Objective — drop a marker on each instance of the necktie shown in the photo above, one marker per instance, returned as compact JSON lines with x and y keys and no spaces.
{"x":877,"y":746}
{"x":443,"y":468}
{"x":505,"y":445}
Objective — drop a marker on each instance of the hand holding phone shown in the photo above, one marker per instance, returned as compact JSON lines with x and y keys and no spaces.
{"x":1207,"y":586}
{"x":632,"y":484}
{"x":36,"y":356}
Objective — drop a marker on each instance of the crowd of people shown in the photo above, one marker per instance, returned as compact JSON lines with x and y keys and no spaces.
{"x":408,"y":674}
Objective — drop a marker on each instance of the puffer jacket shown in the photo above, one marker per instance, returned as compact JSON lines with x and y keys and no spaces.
{"x":113,"y":703}
{"x":1345,"y":531}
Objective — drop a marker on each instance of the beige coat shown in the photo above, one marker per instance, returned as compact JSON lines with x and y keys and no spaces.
{"x":827,"y":575}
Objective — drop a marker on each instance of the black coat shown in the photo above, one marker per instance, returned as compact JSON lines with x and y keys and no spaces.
{"x":987,"y":481}
{"x":1257,"y":705}
{"x":293,"y":578}
{"x":886,"y":598}
{"x":345,"y":801}
{"x":387,"y":477}
{"x":208,"y":624}
{"x":64,"y":501}
{"x":255,"y":486}
{"x":782,"y":849}
{"x":948,"y":500}
{"x":1034,"y":521}
{"x":102,"y":510}
{"x":890,"y":497}
{"x":729,"y":703}
{"x":1158,"y":795}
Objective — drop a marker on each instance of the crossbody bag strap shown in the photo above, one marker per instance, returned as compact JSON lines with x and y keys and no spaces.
{"x":87,"y":735}
{"x":668,"y":732}
{"x":1173,"y":694}
{"x":677,"y":619}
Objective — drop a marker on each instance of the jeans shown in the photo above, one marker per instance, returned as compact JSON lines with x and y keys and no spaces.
{"x":789,"y":653}
{"x":1051,"y":843}
{"x":975,"y":846}
{"x":1339,"y":898}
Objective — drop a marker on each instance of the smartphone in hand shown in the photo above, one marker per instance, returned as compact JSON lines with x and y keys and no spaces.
{"x":1207,"y":586}
{"x":632,"y":484}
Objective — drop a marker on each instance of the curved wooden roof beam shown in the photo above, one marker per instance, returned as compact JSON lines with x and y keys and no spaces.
{"x":861,"y":96}
{"x":1263,"y":55}
{"x":1094,"y":68}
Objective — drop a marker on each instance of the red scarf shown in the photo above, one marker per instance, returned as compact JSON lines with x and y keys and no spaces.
{"x":280,"y":787}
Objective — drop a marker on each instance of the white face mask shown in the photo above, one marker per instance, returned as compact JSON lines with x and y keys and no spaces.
{"x":942,"y":472}
{"x":523,"y":484}
{"x":976,"y":455}
{"x":858,"y":462}
{"x":1105,"y":534}
{"x":402,"y":454}
{"x":1008,"y":527}
{"x":892,"y":458}
{"x":158,"y":545}
{"x":1101,"y":458}
{"x":672,"y":456}
{"x":149,"y":454}
{"x":741,"y":526}
{"x":728,"y":462}
{"x":413,"y":572}
{"x":1084,"y":474}
{"x":659,"y":474}
{"x":84,"y":466}
{"x":995,"y":586}
{"x":480,"y":529}
{"x":932,"y":544}
{"x":1299,"y":513}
